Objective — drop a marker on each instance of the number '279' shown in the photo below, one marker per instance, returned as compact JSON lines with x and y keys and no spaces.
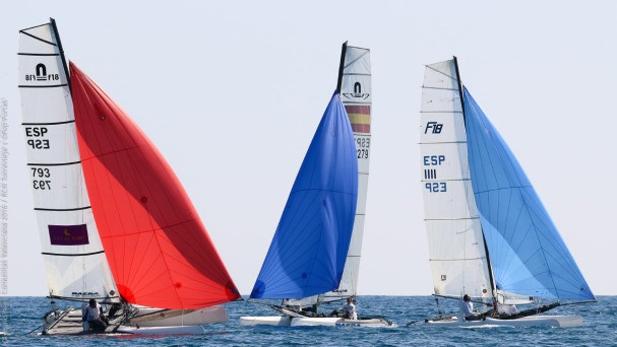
{"x":436,"y":187}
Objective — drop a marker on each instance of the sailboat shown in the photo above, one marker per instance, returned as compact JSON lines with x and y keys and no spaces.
{"x":314,"y":257}
{"x":114,"y":221}
{"x":489,"y":235}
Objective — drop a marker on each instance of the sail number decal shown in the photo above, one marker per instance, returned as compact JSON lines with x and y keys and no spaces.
{"x":430,"y":173}
{"x":35,"y":137}
{"x":40,"y":178}
{"x":40,"y":74}
{"x":363,"y":145}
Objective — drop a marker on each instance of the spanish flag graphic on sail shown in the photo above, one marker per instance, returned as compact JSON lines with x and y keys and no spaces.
{"x":360,"y":118}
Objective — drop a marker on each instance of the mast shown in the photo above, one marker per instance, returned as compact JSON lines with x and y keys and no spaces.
{"x":488,"y":258}
{"x":341,"y":67}
{"x":60,"y":49}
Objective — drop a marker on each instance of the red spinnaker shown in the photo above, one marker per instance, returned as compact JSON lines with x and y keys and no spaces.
{"x":159,"y":251}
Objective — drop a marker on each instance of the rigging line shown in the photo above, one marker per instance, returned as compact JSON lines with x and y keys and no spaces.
{"x":73,"y":254}
{"x":355,"y":60}
{"x":38,"y":54}
{"x":441,"y":72}
{"x":37,"y":38}
{"x":441,"y":111}
{"x":52,"y":123}
{"x":439,"y":88}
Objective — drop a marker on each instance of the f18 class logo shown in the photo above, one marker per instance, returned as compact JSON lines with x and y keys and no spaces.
{"x":40,"y":74}
{"x":357,"y":92}
{"x":434,"y":127}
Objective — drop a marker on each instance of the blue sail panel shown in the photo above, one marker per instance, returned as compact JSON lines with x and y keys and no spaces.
{"x":527,"y":254}
{"x":307,"y":254}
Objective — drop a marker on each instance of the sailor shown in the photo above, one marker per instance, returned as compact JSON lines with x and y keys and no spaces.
{"x":349,"y":309}
{"x":467,"y":309}
{"x":92,"y":314}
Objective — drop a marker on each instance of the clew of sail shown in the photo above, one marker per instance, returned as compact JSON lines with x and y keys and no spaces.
{"x":356,"y":94}
{"x":159,"y":251}
{"x":308,"y":251}
{"x":74,"y":257}
{"x":457,"y":253}
{"x":528,"y":256}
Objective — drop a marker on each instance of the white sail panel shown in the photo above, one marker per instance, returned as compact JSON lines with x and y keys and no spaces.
{"x":75,"y":261}
{"x":456,"y":244}
{"x":356,"y":95}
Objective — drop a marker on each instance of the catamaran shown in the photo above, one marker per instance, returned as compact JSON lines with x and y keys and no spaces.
{"x":489,"y":234}
{"x":314,"y":257}
{"x":114,"y":221}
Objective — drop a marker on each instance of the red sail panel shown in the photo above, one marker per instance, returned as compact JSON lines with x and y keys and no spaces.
{"x":159,"y":251}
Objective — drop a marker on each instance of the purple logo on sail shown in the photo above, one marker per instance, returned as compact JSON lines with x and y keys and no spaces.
{"x":68,"y":235}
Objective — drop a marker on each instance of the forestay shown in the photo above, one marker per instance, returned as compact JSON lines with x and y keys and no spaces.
{"x":528,"y":256}
{"x":74,"y":258}
{"x":456,"y":247}
{"x":356,"y":95}
{"x":308,"y":251}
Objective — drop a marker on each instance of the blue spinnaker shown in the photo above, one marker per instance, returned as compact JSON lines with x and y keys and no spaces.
{"x":528,"y":256}
{"x":307,"y":254}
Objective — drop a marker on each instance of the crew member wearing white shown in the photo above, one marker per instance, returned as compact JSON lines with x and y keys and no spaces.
{"x":467,"y":310}
{"x":349,"y":309}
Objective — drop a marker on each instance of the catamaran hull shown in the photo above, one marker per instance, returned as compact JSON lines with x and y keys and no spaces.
{"x":537,"y":321}
{"x":151,"y":318}
{"x":313,"y":322}
{"x":163,"y":330}
{"x":265,"y":320}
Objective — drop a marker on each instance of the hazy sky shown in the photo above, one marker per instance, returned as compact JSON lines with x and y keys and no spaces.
{"x":231,"y":93}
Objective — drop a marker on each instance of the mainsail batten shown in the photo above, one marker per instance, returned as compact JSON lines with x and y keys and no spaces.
{"x":75,"y":262}
{"x":308,"y":251}
{"x":158,"y":249}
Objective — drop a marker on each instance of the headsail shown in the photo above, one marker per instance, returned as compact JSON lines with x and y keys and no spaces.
{"x":527,"y":253}
{"x":74,"y":257}
{"x":456,"y":246}
{"x":308,"y":251}
{"x":356,"y":94}
{"x":158,"y":249}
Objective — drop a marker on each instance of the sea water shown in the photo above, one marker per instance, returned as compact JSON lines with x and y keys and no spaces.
{"x":19,"y":315}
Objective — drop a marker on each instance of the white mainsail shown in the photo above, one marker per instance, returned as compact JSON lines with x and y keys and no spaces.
{"x":356,"y":95}
{"x":457,"y":251}
{"x":75,"y":261}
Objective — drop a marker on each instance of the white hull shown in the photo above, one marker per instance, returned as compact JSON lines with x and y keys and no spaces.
{"x":266,"y":320}
{"x":313,"y":321}
{"x":537,"y":320}
{"x":163,"y":330}
{"x":214,"y":314}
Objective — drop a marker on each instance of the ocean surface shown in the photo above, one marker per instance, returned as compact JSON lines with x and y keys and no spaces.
{"x":19,"y":315}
